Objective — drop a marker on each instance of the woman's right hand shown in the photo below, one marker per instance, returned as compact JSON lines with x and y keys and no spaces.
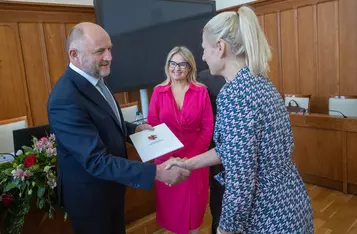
{"x":178,"y":162}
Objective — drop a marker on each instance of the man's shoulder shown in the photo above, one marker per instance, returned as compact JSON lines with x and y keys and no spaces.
{"x":64,"y":88}
{"x":203,"y":75}
{"x":206,"y":75}
{"x":214,"y":83}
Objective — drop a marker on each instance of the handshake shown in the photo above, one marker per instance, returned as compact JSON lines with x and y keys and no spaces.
{"x":173,"y":171}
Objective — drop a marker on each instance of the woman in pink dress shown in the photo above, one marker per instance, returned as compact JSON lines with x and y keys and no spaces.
{"x":183,"y":104}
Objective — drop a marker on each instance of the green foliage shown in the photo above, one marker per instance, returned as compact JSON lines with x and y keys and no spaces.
{"x":27,"y":181}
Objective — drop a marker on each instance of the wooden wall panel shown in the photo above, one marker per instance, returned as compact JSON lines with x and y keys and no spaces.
{"x":317,"y":46}
{"x":55,"y":48}
{"x":33,"y":40}
{"x":313,"y":146}
{"x":32,"y":58}
{"x":261,"y":21}
{"x":348,"y":46}
{"x":289,"y":59}
{"x":325,"y":150}
{"x":307,"y":51}
{"x":13,"y":91}
{"x":68,"y":28}
{"x":314,"y":44}
{"x":271,"y":29}
{"x":36,"y":69}
{"x":351,"y":158}
{"x":328,"y":55}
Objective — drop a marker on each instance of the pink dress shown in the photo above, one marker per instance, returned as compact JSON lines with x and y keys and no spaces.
{"x":181,"y":207}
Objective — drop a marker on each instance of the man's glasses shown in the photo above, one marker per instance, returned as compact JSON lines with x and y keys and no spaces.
{"x":181,"y":65}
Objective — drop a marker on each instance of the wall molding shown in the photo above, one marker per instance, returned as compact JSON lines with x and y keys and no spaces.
{"x":49,"y":7}
{"x":271,"y":6}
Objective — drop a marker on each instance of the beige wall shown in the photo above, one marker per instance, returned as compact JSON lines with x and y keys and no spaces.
{"x":220,"y":4}
{"x":76,"y":2}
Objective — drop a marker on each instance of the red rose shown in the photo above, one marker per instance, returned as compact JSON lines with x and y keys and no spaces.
{"x":7,"y":199}
{"x":30,"y":160}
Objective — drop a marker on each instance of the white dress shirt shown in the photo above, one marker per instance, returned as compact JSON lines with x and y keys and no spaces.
{"x":94,"y":81}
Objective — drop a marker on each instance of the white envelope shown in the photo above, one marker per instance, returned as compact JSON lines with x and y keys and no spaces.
{"x":153,"y":144}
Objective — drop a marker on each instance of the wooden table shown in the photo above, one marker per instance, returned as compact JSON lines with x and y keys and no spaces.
{"x":325,"y":150}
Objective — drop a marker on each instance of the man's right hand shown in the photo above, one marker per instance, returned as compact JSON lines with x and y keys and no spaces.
{"x":171,"y":176}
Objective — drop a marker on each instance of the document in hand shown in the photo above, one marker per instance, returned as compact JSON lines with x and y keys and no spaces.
{"x":153,"y":144}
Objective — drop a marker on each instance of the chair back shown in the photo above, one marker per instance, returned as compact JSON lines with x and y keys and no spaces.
{"x":23,"y":137}
{"x":345,"y":106}
{"x":6,"y":133}
{"x":129,"y":111}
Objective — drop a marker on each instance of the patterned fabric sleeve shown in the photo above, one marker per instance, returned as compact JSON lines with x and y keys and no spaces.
{"x":237,"y":149}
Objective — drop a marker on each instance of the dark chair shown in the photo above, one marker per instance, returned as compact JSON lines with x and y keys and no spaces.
{"x":24,"y":136}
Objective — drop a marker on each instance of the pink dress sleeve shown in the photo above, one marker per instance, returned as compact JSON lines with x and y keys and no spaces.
{"x":206,"y":128}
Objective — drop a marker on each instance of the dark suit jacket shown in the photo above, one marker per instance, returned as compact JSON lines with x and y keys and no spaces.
{"x":92,"y":159}
{"x":214,"y":85}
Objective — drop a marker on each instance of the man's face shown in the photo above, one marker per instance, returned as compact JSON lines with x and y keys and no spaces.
{"x":95,"y":55}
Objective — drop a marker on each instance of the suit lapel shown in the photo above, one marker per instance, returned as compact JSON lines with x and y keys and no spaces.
{"x":87,"y":89}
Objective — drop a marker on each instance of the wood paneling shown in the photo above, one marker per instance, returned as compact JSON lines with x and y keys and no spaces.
{"x":348,"y":46}
{"x":325,"y":150}
{"x":36,"y":69}
{"x":314,"y":45}
{"x":55,"y":38}
{"x":328,"y":63}
{"x":271,"y":28}
{"x":352,"y":158}
{"x":313,"y":146}
{"x":33,"y":57}
{"x":307,"y":52}
{"x":289,"y":43}
{"x":14,"y":100}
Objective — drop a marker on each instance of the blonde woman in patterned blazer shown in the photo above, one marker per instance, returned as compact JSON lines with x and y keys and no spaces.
{"x":264,"y":192}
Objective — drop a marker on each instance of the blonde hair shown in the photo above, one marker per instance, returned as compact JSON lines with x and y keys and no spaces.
{"x":188,"y":57}
{"x":242,"y":32}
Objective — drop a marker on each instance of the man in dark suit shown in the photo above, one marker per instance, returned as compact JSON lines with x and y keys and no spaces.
{"x":93,"y":168}
{"x":214,"y":85}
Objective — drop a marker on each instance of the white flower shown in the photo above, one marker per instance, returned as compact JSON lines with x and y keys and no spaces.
{"x":47,"y":168}
{"x":19,"y":152}
{"x":30,"y":192}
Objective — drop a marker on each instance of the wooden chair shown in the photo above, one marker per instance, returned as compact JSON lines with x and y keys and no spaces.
{"x":6,"y":132}
{"x":301,"y":99}
{"x":129,"y":111}
{"x":345,"y":106}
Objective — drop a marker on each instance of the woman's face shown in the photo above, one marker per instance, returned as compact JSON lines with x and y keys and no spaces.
{"x":212,"y":55}
{"x":178,"y":67}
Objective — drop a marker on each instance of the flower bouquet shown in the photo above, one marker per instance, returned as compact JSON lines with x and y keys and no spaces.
{"x":29,"y":179}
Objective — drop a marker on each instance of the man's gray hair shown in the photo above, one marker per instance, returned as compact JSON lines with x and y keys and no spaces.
{"x":75,"y":38}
